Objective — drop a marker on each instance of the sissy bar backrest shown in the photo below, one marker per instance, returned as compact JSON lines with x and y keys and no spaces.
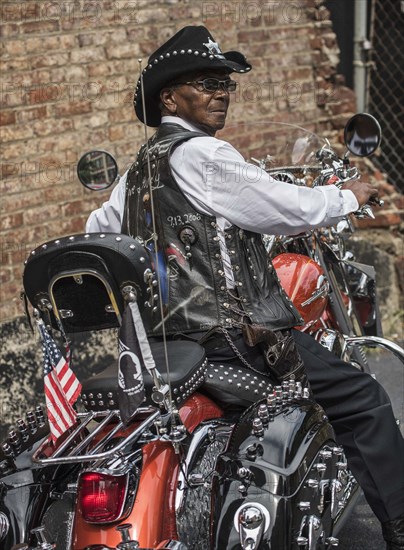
{"x":81,"y":280}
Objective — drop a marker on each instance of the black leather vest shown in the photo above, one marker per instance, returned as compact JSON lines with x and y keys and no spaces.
{"x":194,"y":291}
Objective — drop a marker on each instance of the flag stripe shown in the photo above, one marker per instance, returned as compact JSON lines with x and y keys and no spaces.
{"x":64,"y":420}
{"x":58,"y":398}
{"x":68,"y":381}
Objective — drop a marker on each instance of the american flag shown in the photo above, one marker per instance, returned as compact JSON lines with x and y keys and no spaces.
{"x":61,"y":386}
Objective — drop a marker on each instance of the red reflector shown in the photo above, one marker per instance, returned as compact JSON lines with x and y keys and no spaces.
{"x":102,"y":497}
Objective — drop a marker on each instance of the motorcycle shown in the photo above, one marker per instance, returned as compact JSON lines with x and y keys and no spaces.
{"x":335,"y":295}
{"x":184,"y":473}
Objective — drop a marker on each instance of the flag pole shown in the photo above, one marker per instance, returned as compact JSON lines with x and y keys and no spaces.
{"x":173,"y":410}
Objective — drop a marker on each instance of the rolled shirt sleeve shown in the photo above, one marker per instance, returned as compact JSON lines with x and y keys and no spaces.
{"x":219,"y":182}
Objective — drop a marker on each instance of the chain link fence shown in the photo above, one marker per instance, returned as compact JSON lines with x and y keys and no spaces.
{"x":386,"y":85}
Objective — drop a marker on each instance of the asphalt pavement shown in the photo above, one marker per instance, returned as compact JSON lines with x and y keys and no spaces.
{"x":362,"y":530}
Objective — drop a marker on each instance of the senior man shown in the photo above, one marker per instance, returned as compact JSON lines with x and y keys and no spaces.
{"x":210,"y":209}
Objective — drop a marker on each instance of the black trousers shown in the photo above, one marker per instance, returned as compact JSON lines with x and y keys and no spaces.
{"x":360,"y":412}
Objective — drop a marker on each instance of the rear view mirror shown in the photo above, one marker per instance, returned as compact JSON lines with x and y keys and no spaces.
{"x":97,"y":170}
{"x":362,"y":135}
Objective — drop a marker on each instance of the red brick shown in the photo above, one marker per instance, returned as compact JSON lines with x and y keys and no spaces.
{"x":381,"y":220}
{"x":13,"y":133}
{"x":49,"y":60}
{"x":121,"y":114}
{"x":43,"y":94}
{"x":40,"y":26}
{"x":42,"y":43}
{"x":70,"y":74}
{"x":316,"y":42}
{"x":67,"y":227}
{"x":47,"y":127}
{"x":120,"y":51}
{"x":15,"y":47}
{"x":63,"y":192}
{"x":399,"y":202}
{"x":323,"y":14}
{"x":87,"y":55}
{"x":117,"y":132}
{"x":20,"y":11}
{"x":31,"y":217}
{"x":74,"y":208}
{"x":8,"y":222}
{"x":24,"y":240}
{"x":69,"y":109}
{"x":29,"y":199}
{"x":8,"y":169}
{"x":7,"y":117}
{"x":5,"y":275}
{"x":9,"y":310}
{"x":9,"y":29}
{"x":28,"y":115}
{"x":14,"y":64}
{"x":385,"y":188}
{"x":12,"y":289}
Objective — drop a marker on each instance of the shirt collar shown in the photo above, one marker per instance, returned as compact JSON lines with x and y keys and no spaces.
{"x":181,"y":122}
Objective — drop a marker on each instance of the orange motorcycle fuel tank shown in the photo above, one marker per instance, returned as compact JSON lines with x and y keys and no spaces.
{"x":304,"y":282}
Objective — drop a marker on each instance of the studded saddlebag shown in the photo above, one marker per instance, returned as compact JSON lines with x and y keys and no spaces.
{"x":269,"y":468}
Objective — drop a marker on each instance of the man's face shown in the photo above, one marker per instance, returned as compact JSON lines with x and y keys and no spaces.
{"x":206,"y":110}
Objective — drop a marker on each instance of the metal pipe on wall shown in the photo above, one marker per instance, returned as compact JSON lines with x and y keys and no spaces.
{"x":361,"y":44}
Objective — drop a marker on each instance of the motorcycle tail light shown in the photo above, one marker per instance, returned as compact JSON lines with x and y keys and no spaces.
{"x":102,"y":497}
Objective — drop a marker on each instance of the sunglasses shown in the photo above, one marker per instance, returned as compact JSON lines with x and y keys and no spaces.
{"x":211,"y":85}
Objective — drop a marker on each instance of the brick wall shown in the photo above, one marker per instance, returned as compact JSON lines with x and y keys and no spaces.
{"x":68,"y":72}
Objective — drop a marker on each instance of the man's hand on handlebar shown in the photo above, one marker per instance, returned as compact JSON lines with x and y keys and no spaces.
{"x":363,"y":191}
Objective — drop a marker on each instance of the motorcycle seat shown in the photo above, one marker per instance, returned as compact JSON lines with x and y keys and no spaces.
{"x":187,"y":365}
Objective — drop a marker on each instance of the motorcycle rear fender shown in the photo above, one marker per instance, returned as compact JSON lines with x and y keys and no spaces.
{"x":152,"y":516}
{"x":279,"y":463}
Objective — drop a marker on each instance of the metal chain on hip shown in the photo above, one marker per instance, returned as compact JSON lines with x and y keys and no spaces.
{"x":237,"y":352}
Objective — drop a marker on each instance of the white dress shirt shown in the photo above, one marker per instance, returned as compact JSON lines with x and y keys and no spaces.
{"x":219,"y":182}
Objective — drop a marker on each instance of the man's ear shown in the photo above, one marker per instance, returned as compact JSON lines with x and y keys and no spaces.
{"x":168,"y":102}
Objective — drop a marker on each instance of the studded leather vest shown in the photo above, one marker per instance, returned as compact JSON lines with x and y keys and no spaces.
{"x":191,"y":273}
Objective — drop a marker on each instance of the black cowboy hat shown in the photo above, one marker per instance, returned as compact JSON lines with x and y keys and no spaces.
{"x":190,"y":49}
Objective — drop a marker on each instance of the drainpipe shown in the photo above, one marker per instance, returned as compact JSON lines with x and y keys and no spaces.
{"x":361,"y":46}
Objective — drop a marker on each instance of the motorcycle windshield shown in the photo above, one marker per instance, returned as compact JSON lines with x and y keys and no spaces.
{"x":276,"y":145}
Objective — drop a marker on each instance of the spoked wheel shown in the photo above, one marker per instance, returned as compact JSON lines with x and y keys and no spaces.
{"x":194,"y":517}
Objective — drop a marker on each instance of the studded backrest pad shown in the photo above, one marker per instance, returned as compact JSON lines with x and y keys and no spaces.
{"x":83,"y":300}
